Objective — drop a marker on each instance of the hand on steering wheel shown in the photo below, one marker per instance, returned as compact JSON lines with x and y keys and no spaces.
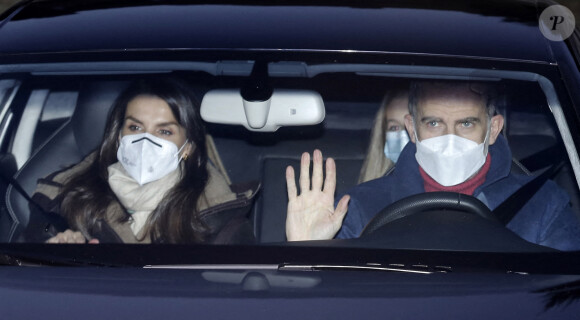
{"x":311,"y":215}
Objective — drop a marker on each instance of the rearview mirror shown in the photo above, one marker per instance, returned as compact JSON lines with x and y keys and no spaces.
{"x":285,"y":107}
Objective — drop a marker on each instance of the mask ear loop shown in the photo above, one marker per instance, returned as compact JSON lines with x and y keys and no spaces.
{"x":486,"y":140}
{"x":415,"y":131}
{"x":185,"y":156}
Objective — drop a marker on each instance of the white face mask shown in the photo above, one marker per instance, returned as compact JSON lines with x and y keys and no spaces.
{"x":450,"y":159}
{"x":147,"y":158}
{"x":394,"y":143}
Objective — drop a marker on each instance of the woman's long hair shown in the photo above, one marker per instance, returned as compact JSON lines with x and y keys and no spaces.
{"x":376,"y":164}
{"x":176,"y":219}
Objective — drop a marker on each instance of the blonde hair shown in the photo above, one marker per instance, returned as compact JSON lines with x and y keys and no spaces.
{"x":376,"y":164}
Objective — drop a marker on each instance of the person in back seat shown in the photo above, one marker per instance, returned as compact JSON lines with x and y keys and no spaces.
{"x":149,"y":181}
{"x":456,"y":147}
{"x":388,"y":135}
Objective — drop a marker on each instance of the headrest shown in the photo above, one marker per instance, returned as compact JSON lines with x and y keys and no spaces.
{"x":89,"y":119}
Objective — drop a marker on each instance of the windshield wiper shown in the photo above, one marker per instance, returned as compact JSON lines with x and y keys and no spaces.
{"x":416,"y":268}
{"x":264,"y":277}
{"x":271,"y":267}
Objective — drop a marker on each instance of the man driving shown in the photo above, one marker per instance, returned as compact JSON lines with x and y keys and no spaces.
{"x":457,"y":147}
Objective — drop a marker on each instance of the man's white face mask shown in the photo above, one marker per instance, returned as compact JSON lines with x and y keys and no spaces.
{"x":394,"y":143}
{"x":450,"y":159}
{"x":147,"y":158}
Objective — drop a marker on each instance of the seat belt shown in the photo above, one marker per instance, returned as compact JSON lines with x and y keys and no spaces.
{"x":515,"y":202}
{"x":543,"y":158}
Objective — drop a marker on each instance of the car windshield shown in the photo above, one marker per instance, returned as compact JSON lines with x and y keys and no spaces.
{"x":435,"y":154}
{"x":354,"y":104}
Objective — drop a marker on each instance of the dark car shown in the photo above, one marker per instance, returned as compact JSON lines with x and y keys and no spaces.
{"x":63,"y":64}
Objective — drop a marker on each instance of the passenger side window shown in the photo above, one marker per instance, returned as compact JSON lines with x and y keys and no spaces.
{"x":57,"y":110}
{"x":45,"y":111}
{"x":8,"y":88}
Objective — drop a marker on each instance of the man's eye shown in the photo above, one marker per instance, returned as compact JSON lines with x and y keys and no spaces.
{"x":467,"y":124}
{"x":432,"y":123}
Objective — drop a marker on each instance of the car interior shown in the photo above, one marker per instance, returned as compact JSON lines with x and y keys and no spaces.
{"x":81,"y":104}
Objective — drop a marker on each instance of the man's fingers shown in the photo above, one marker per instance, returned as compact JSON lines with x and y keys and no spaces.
{"x":291,"y":183}
{"x":317,"y":175}
{"x":330,"y":182}
{"x":341,"y":208}
{"x":305,"y":172}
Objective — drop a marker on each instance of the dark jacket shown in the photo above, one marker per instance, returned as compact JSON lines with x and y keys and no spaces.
{"x":546,"y":219}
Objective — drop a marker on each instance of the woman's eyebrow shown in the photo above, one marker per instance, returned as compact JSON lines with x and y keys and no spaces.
{"x":162,"y":124}
{"x":133,"y":119}
{"x":166,"y":124}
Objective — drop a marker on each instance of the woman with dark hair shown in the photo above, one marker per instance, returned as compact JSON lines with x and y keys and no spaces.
{"x":150,"y":180}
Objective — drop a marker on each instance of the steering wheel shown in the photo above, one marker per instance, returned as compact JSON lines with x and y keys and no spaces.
{"x":426,"y":202}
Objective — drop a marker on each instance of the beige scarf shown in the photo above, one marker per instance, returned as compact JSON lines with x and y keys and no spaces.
{"x":139,"y":201}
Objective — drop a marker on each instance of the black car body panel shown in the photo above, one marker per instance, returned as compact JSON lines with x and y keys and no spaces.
{"x":470,"y":29}
{"x":86,"y":42}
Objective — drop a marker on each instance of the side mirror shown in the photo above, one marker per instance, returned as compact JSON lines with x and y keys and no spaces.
{"x":284,"y":107}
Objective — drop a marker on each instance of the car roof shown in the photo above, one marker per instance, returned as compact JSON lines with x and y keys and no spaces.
{"x":493,"y":29}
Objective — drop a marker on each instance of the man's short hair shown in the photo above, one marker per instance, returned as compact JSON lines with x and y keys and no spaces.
{"x":487,"y":92}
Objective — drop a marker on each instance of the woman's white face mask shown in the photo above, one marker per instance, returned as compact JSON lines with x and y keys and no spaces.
{"x":395,"y":141}
{"x":147,"y":158}
{"x":450,"y":159}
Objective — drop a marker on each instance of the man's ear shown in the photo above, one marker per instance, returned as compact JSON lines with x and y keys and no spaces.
{"x":495,"y":128}
{"x":409,"y":126}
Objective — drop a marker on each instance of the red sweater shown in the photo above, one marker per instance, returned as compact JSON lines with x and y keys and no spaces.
{"x":467,"y":187}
